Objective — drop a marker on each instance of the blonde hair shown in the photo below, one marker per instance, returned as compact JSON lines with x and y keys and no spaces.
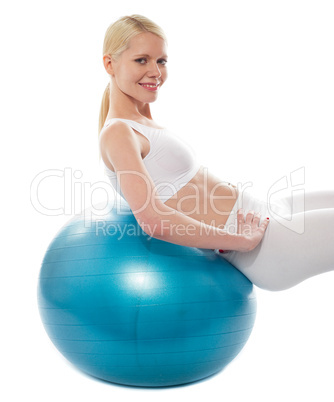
{"x":117,"y":40}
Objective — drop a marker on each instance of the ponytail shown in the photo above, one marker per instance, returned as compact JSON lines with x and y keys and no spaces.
{"x":104,"y":107}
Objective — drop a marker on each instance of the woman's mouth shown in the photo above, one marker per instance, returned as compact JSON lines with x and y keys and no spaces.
{"x":149,"y":86}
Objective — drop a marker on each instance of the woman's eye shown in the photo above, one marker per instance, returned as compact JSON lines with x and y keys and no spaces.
{"x":141,"y":60}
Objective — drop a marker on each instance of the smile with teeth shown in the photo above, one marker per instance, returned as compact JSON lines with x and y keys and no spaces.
{"x":150,"y":86}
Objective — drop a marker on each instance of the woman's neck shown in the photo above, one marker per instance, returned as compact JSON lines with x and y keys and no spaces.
{"x":123,"y":106}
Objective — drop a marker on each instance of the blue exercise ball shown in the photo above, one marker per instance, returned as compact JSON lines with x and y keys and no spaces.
{"x":133,"y":310}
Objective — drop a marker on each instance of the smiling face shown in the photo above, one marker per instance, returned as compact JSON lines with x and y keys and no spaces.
{"x":141,"y":69}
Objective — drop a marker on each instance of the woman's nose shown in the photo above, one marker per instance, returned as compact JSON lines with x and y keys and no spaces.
{"x":154,"y":71}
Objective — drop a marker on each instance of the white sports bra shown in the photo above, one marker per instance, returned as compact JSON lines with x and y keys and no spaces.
{"x":170,"y":161}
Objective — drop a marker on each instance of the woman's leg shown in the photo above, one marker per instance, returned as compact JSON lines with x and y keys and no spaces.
{"x":291,"y":251}
{"x":309,"y":201}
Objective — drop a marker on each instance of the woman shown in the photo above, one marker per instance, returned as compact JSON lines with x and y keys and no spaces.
{"x":177,"y":200}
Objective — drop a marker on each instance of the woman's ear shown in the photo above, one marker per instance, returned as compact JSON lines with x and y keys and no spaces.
{"x":108,"y":64}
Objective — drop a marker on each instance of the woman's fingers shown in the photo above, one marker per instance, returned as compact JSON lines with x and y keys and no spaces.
{"x":241,"y":220}
{"x":252,"y":220}
{"x":257,"y":218}
{"x":250,"y":217}
{"x":265,"y":224}
{"x":251,"y":228}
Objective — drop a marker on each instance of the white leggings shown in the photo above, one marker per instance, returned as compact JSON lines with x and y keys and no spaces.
{"x":298,"y":243}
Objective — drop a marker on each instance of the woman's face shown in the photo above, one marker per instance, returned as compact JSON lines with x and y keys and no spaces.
{"x":141,"y":70}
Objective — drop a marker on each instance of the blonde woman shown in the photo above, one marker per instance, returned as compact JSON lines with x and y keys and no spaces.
{"x":177,"y":200}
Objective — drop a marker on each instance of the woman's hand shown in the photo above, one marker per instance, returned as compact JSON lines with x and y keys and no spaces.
{"x":250,"y":228}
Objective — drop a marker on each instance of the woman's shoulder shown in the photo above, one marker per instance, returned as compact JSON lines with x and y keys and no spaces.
{"x":113,"y":128}
{"x":138,"y":122}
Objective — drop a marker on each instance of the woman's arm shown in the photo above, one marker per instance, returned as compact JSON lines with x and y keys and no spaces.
{"x":181,"y":229}
{"x":121,"y":147}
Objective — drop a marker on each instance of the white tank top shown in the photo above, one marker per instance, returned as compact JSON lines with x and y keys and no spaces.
{"x":170,"y":161}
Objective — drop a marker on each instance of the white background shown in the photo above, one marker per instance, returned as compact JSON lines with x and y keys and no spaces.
{"x":250,"y":88}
